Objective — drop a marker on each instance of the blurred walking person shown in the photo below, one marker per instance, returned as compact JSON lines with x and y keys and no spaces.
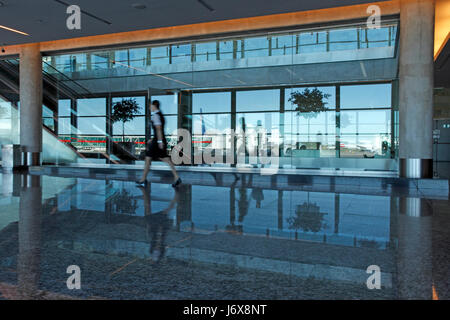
{"x":157,"y":146}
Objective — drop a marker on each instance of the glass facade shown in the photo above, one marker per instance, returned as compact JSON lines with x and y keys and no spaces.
{"x":294,"y":43}
{"x":357,"y":122}
{"x":309,"y":98}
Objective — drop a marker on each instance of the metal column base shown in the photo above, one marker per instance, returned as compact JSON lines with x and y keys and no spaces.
{"x":416,"y":168}
{"x":31,"y":159}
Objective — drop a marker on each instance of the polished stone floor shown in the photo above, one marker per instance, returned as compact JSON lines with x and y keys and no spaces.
{"x":242,"y":237}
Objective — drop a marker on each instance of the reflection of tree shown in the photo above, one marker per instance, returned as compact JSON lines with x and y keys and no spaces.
{"x":124,"y":203}
{"x":307,"y":217}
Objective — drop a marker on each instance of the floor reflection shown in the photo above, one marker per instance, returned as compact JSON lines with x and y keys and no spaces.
{"x":212,"y":242}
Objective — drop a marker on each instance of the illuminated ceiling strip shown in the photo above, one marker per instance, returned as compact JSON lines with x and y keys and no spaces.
{"x":14,"y":30}
{"x":153,"y":74}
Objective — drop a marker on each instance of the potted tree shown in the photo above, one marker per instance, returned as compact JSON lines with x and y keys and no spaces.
{"x":309,"y":103}
{"x":125,"y":111}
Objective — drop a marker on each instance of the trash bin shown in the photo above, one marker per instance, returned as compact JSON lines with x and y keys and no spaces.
{"x":11,"y":156}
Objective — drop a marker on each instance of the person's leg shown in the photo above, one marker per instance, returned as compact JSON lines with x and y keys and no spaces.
{"x":148,"y":162}
{"x":172,"y":167}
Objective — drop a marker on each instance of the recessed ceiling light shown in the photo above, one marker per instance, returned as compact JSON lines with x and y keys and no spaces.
{"x":139,"y":6}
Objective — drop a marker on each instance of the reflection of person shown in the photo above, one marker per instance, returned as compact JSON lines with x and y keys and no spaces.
{"x":158,"y":224}
{"x":243,"y":202}
{"x":232,"y":227}
{"x":157,"y":146}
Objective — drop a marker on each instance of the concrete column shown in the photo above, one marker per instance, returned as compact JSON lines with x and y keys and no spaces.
{"x":416,"y":88}
{"x":31,"y":103}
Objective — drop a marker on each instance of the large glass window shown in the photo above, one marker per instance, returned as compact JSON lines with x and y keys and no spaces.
{"x":100,"y":60}
{"x":208,"y":102}
{"x":91,"y":125}
{"x":365,"y":133}
{"x":206,"y":51}
{"x":211,"y":121}
{"x":64,"y":108}
{"x":254,"y":47}
{"x":138,"y":57}
{"x":382,"y":37}
{"x":309,"y":42}
{"x":226,"y":49}
{"x":64,"y":126}
{"x":281,"y":45}
{"x":329,"y":94}
{"x":9,"y":123}
{"x":298,"y":42}
{"x":47,"y":118}
{"x":366,"y":96}
{"x":64,"y":122}
{"x":181,"y":53}
{"x":242,"y":82}
{"x":160,"y":55}
{"x":365,"y":121}
{"x":310,"y":136}
{"x":168,"y":103}
{"x":258,"y":100}
{"x":131,"y":132}
{"x":343,"y":39}
{"x":91,"y":107}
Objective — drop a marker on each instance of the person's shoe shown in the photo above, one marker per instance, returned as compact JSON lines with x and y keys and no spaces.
{"x":176,"y":183}
{"x":141,"y":183}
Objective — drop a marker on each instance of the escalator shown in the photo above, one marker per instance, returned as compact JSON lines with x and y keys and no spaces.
{"x":56,"y":149}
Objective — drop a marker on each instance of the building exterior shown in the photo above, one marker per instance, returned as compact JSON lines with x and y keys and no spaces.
{"x":231,"y":84}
